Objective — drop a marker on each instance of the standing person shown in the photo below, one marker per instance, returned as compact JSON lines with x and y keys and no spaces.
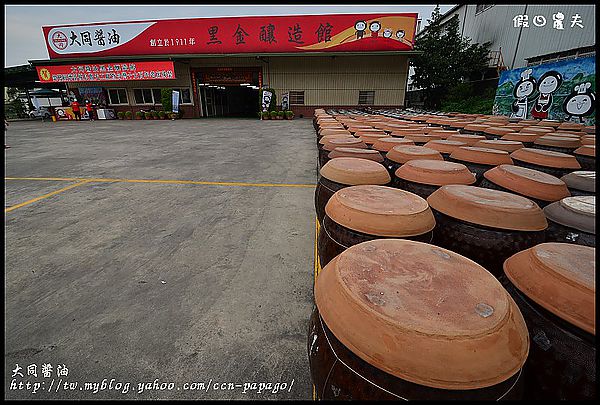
{"x":5,"y":131}
{"x":89,"y":109}
{"x":76,"y":110}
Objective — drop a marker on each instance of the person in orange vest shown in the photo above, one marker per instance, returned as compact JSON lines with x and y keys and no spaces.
{"x":89,"y":109}
{"x":76,"y":110}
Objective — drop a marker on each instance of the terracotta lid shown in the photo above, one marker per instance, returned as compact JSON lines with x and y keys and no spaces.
{"x":520,"y":137}
{"x":435,"y":172}
{"x":407,"y":131}
{"x":422,"y":137}
{"x":333,"y":131}
{"x":444,"y":145}
{"x":487,"y":207}
{"x":573,"y":134}
{"x":328,"y":138}
{"x":546,"y":158}
{"x":383,"y":296}
{"x":442,"y":133}
{"x":483,"y":156}
{"x":536,"y":130}
{"x":561,"y":278}
{"x":581,"y":180}
{"x":528,"y":122}
{"x":476,"y":127}
{"x":344,"y":142}
{"x":591,"y":129}
{"x":466,"y":138}
{"x":353,"y":171}
{"x":588,"y":140}
{"x":575,"y":212}
{"x":357,"y":153}
{"x":460,"y":124}
{"x":402,"y":154}
{"x":499,"y":130}
{"x":508,"y":146}
{"x":529,"y":182}
{"x":380,"y":211}
{"x":586,"y":150}
{"x":558,"y":141}
{"x":549,"y":123}
{"x":515,"y":125}
{"x":385,"y":144}
{"x":371,"y":138}
{"x":571,"y":126}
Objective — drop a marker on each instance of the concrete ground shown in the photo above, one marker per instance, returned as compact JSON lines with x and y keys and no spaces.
{"x":151,"y":283}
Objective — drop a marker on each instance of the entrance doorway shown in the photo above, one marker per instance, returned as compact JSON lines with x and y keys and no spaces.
{"x":228,"y":92}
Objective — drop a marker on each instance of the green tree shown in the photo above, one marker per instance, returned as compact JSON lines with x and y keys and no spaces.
{"x":166,"y":99}
{"x":446,"y":59}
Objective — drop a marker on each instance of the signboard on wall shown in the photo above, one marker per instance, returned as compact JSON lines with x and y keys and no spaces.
{"x":175,"y":101}
{"x":102,"y":72}
{"x":285,"y":101}
{"x":266,"y":99}
{"x":96,"y":95}
{"x":563,"y":90}
{"x":235,"y":35}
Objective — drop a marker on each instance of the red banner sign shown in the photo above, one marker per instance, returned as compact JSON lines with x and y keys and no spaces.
{"x":236,"y":35}
{"x":104,"y":72}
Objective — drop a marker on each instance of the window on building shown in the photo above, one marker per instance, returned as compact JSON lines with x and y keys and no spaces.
{"x":145,"y":96}
{"x":480,"y":8}
{"x":184,"y":96}
{"x":117,"y":96}
{"x":366,"y":97}
{"x":297,"y":97}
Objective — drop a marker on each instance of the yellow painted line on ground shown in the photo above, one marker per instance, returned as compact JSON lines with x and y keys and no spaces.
{"x":317,"y":261}
{"x":206,"y":183}
{"x":44,"y":178}
{"x":14,"y":207}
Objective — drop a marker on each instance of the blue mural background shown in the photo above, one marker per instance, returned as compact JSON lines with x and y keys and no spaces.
{"x":574,"y":72}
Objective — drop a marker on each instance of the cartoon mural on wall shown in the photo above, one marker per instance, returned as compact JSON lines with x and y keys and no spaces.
{"x":564,"y":90}
{"x":523,"y":92}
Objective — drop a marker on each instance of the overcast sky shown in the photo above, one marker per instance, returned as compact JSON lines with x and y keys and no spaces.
{"x":23,"y":24}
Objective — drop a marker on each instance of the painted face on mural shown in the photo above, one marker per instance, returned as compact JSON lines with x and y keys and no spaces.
{"x":550,"y":82}
{"x":525,"y":89}
{"x":375,"y":26}
{"x":400,"y":34}
{"x":579,"y":104}
{"x":387,"y":33}
{"x":360,"y":26}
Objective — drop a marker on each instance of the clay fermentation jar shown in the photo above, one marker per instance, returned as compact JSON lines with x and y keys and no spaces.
{"x":422,"y":177}
{"x":402,"y":320}
{"x":360,"y":213}
{"x":487,"y":226}
{"x":581,"y":182}
{"x":542,"y":188}
{"x":572,"y":220}
{"x":554,"y":163}
{"x":343,"y":172}
{"x":554,"y":286}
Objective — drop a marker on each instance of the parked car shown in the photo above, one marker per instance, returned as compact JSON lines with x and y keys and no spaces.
{"x":41,"y":112}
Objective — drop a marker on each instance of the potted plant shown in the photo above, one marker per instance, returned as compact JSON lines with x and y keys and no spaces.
{"x":138,"y":115}
{"x":280,"y":115}
{"x":173,"y":115}
{"x":289,"y":114}
{"x":265,"y":115}
{"x":128,"y":115}
{"x":273,"y":115}
{"x":148,"y":115}
{"x":162,"y":115}
{"x":155,"y":115}
{"x":121,"y":115}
